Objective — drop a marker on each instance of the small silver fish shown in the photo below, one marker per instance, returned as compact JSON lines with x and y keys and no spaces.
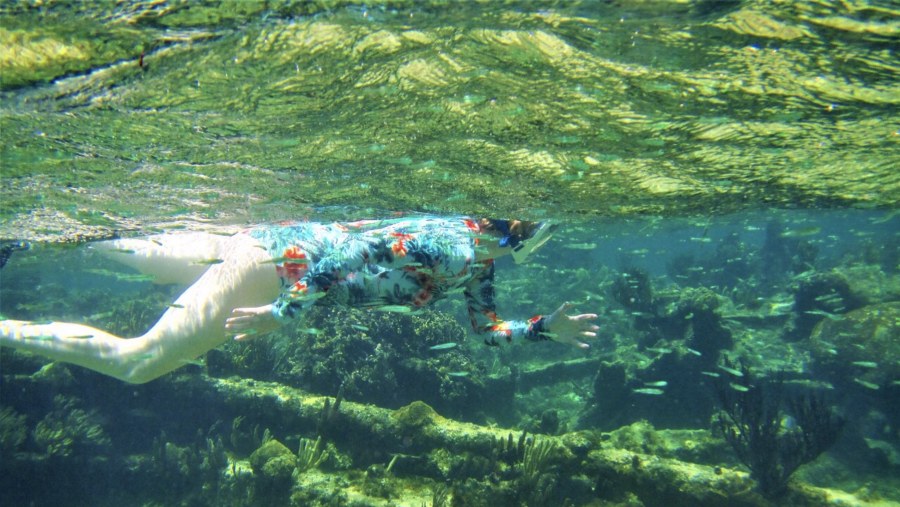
{"x":710,"y":374}
{"x":867,"y":385}
{"x":443,"y":346}
{"x":739,"y":387}
{"x":208,"y":262}
{"x":801,"y":232}
{"x":823,"y":313}
{"x":358,"y":327}
{"x":394,"y":309}
{"x":778,"y":307}
{"x":580,"y":246}
{"x":648,"y":390}
{"x":458,"y":374}
{"x":736,"y":373}
{"x":141,"y":357}
{"x":286,"y":260}
{"x":658,"y":383}
{"x":128,"y":277}
{"x":865,"y":364}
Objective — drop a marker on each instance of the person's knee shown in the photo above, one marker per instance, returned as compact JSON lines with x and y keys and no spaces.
{"x":137,"y":377}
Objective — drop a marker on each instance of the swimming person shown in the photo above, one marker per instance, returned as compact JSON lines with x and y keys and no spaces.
{"x":254,"y":281}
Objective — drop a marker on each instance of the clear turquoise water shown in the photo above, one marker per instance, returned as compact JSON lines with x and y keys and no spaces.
{"x":739,"y":151}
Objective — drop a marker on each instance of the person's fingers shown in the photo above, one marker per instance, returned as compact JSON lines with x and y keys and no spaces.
{"x":239,"y":322}
{"x":563,"y":308}
{"x":234,"y":322}
{"x":572,"y":341}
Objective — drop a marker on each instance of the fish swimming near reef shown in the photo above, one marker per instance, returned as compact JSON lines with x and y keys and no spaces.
{"x":394,"y":309}
{"x":443,"y":346}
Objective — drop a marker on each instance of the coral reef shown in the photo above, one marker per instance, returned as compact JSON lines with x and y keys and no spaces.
{"x":859,"y":354}
{"x":752,"y":423}
{"x":185,"y":468}
{"x":408,"y":454}
{"x":816,"y":297}
{"x":70,"y":430}
{"x":13,"y":431}
{"x":695,"y":318}
{"x":610,"y":391}
{"x":387,"y":359}
{"x":633,"y":290}
{"x":310,"y":454}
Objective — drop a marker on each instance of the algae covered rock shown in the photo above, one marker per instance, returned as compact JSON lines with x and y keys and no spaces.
{"x":696,"y":446}
{"x":862,"y":346}
{"x":415,"y":415}
{"x":274,"y":465}
{"x":696,"y":317}
{"x":869,"y":284}
{"x":820,"y":294}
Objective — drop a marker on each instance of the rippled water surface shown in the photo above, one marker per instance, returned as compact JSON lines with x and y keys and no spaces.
{"x":144,"y":114}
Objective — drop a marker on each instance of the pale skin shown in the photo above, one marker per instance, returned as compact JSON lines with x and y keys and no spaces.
{"x":234,"y":284}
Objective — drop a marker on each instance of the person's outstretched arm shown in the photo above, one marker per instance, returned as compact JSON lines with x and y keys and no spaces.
{"x":559,"y":326}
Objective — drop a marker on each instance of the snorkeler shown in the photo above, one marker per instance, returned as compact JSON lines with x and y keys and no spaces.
{"x":392,"y":264}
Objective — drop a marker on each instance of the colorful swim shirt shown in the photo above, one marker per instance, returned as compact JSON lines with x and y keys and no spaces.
{"x":376,"y":263}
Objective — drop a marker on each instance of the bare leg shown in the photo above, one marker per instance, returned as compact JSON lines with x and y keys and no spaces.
{"x":192,"y":327}
{"x":168,"y":258}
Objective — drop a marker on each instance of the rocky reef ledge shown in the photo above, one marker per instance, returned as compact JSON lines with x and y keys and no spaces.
{"x":416,"y":429}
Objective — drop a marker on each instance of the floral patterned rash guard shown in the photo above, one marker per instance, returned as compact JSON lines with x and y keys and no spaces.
{"x":410,"y":262}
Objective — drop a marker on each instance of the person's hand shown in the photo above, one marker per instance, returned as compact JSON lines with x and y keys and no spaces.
{"x":249,"y":322}
{"x":565,"y":328}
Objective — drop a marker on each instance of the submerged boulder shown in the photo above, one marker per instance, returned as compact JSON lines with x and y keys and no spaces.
{"x":862,"y":346}
{"x":273,"y":466}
